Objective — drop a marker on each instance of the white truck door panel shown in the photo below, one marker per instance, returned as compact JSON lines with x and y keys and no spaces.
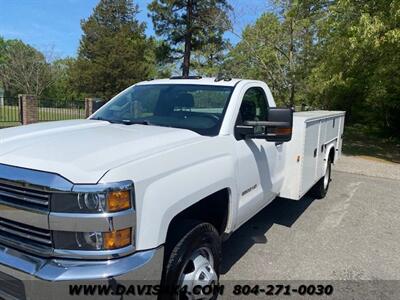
{"x":258,"y":160}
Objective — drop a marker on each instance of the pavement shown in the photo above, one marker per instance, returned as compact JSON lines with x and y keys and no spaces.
{"x":352,"y":234}
{"x":368,"y":166}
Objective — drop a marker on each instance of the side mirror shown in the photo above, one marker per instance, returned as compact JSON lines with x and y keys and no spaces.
{"x":277,"y":128}
{"x":281,"y":127}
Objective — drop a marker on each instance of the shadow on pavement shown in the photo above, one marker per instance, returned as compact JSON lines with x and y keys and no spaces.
{"x":281,"y":211}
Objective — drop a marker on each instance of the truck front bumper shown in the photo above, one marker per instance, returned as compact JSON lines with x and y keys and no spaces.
{"x":23,"y":276}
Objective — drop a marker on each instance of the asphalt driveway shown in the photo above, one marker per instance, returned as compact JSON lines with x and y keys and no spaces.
{"x":352,"y":234}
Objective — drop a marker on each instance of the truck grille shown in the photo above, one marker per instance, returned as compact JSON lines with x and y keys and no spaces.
{"x":23,"y":197}
{"x":33,"y":239}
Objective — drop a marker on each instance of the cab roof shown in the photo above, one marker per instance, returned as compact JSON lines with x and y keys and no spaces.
{"x":201,"y":81}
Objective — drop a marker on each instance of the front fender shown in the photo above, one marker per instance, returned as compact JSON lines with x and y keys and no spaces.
{"x":180,"y":190}
{"x":169,"y":182}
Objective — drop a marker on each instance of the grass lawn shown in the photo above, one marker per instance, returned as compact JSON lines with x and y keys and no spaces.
{"x":361,"y":141}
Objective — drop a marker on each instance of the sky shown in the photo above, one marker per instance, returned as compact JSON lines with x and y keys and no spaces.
{"x":54,"y":25}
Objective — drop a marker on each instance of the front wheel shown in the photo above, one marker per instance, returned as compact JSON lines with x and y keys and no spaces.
{"x":193,"y":264}
{"x":320,"y":189}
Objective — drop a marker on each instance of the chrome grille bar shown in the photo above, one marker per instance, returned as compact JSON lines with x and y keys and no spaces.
{"x":19,"y":195}
{"x":25,"y":235}
{"x":24,"y":192}
{"x":25,"y":201}
{"x":33,"y":234}
{"x":25,"y":228}
{"x":23,"y":198}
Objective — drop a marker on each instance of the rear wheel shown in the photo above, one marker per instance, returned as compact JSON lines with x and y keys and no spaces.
{"x":193,"y":262}
{"x":320,"y":189}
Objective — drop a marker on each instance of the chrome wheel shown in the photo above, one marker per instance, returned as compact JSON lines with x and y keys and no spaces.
{"x":198,"y":271}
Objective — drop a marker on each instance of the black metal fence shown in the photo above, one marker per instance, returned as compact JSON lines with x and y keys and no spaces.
{"x":48,"y":110}
{"x":55,"y":110}
{"x":10,"y":114}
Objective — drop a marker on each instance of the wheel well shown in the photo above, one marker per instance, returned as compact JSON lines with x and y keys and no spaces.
{"x":331,"y":156}
{"x":213,"y":209}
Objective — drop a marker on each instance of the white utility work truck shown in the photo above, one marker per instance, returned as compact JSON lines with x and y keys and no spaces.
{"x":151,"y":184}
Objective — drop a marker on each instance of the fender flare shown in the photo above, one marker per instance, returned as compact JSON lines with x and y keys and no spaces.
{"x":330,"y":147}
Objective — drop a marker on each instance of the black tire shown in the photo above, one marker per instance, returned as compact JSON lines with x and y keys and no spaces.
{"x":320,"y":189}
{"x":199,"y":236}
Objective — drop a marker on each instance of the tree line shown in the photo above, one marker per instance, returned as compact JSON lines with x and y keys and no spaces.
{"x":324,"y":54}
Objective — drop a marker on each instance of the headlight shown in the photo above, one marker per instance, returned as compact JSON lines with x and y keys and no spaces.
{"x":92,"y":240}
{"x":93,"y":202}
{"x":106,"y":202}
{"x":93,"y":221}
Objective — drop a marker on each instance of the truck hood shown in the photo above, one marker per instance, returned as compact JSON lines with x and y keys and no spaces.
{"x":84,"y":150}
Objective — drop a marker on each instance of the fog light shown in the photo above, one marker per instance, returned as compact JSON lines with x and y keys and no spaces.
{"x":118,"y":201}
{"x":117,"y":239}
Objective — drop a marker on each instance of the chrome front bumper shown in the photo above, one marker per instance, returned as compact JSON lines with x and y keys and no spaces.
{"x":51,"y":278}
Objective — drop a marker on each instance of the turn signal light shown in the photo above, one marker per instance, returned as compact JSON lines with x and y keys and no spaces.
{"x":118,"y":201}
{"x":283,"y":131}
{"x":117,"y":239}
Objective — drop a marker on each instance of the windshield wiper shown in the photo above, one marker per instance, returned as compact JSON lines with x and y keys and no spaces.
{"x":142,"y":122}
{"x":102,"y":119}
{"x":124,"y":122}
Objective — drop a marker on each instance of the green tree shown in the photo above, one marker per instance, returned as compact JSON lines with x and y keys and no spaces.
{"x":114,"y":51}
{"x":280,"y":48}
{"x":358,"y":63}
{"x":256,"y":55}
{"x":2,"y":50}
{"x":164,"y":64}
{"x":62,"y":88}
{"x":2,"y":56}
{"x":23,"y":69}
{"x":190,"y":25}
{"x":210,"y":59}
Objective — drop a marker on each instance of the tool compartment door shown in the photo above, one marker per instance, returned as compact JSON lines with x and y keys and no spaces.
{"x":310,"y":160}
{"x":321,"y":149}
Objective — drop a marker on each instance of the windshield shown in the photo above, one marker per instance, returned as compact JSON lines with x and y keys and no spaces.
{"x":199,"y":108}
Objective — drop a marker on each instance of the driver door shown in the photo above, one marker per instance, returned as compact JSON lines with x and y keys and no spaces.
{"x":258,"y":159}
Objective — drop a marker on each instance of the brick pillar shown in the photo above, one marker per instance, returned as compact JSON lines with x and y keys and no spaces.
{"x":92,"y":105}
{"x":88,"y":106}
{"x":29,"y":109}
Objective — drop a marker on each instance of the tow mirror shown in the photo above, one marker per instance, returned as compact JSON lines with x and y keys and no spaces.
{"x":281,"y":127}
{"x":277,"y":128}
